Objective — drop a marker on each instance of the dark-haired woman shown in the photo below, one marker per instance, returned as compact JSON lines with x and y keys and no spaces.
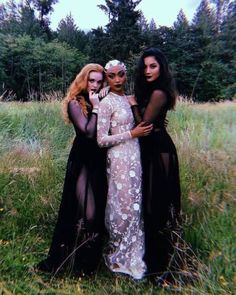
{"x":123,"y":216}
{"x":155,"y":95}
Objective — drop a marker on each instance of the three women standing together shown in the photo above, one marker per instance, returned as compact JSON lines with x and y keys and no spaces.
{"x":143,"y":196}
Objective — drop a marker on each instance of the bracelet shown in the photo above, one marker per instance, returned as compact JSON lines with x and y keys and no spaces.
{"x":95,"y":110}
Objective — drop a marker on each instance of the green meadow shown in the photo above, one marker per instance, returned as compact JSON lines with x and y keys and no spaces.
{"x":34,"y":146}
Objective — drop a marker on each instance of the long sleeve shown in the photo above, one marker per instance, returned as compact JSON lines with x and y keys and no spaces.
{"x":104,"y":136}
{"x":86,"y":125}
{"x":136,"y":113}
{"x":154,"y":110}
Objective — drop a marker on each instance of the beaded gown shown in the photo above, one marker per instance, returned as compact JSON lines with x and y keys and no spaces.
{"x":77,"y":241}
{"x":123,"y":217}
{"x":161,"y":187}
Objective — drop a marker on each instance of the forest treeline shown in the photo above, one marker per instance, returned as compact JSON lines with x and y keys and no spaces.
{"x":36,"y":60}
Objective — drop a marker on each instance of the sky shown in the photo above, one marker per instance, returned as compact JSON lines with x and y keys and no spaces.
{"x":88,"y":16}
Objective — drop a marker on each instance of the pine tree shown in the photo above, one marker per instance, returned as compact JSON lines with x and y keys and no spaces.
{"x":44,"y":8}
{"x":222,"y":7}
{"x":205,"y":20}
{"x":225,"y":47}
{"x":68,"y":32}
{"x":123,"y":30}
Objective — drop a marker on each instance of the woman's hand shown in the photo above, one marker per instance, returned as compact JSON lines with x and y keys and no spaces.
{"x":93,"y":97}
{"x":103,"y":92}
{"x":142,"y":129}
{"x":132,"y":100}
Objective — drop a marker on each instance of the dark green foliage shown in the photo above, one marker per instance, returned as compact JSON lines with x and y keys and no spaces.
{"x":34,"y":60}
{"x":123,"y":32}
{"x":205,"y":20}
{"x":68,"y":32}
{"x":44,"y":8}
{"x":33,"y":67}
{"x":226,"y":52}
{"x":19,"y":18}
{"x":99,"y":45}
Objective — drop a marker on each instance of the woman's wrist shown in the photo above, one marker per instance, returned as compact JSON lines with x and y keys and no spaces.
{"x":132,"y":134}
{"x":95,"y":110}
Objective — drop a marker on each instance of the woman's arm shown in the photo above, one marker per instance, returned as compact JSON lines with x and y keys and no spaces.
{"x":104,"y":121}
{"x":135,"y":109}
{"x":136,"y":113}
{"x":103,"y":127}
{"x":154,"y":108}
{"x":86,"y":125}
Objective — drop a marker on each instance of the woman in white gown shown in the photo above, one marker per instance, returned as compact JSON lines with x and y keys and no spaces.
{"x":123,"y":217}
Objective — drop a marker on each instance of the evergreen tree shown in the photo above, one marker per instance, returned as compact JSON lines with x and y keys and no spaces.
{"x":124,"y":34}
{"x":222,"y":7}
{"x":152,"y":25}
{"x":98,"y":47}
{"x":44,"y":8}
{"x":68,"y":32}
{"x":182,"y":49}
{"x":19,"y":18}
{"x":205,"y":20}
{"x":33,"y":67}
{"x":226,"y":53}
{"x":142,"y":22}
{"x":201,"y":54}
{"x":204,"y":28}
{"x":28,"y":23}
{"x":181,"y":24}
{"x":9,"y":17}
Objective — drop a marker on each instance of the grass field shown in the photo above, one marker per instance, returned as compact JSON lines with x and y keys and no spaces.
{"x":34,"y":146}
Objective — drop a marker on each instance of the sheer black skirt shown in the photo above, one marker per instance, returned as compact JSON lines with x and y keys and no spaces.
{"x":161,"y":200}
{"x":79,"y":232}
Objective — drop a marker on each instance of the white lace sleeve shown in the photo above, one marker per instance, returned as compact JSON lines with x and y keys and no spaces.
{"x":105,"y":138}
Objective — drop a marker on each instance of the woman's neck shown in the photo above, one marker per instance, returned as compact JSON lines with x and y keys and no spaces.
{"x":121,"y":92}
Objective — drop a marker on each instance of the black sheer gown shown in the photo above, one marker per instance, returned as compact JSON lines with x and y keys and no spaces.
{"x":79,"y":232}
{"x":161,"y":186}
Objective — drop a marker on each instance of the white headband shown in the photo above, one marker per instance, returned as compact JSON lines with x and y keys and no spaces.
{"x":113,"y":63}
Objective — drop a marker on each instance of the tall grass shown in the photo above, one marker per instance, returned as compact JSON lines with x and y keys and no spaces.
{"x":33,"y":152}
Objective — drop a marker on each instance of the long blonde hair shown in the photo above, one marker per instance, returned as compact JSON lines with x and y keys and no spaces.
{"x":78,"y":87}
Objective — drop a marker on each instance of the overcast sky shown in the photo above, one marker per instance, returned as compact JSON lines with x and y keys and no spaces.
{"x":87,"y":15}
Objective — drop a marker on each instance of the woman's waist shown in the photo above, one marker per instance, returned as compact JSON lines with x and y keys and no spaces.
{"x":158,"y":128}
{"x":129,"y":146}
{"x":157,"y":136}
{"x":158,"y":131}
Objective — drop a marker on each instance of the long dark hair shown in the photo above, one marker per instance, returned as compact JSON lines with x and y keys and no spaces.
{"x":164,"y":82}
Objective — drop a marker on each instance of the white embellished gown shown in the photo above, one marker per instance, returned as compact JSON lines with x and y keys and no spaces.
{"x":123,"y":217}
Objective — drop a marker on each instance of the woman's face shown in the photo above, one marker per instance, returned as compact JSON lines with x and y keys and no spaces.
{"x":151,"y":68}
{"x":116,"y":78}
{"x":95,"y":81}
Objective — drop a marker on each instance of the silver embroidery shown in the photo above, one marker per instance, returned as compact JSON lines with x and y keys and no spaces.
{"x":123,"y":211}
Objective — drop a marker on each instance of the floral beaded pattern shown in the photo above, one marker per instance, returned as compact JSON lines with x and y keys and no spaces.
{"x":123,"y":212}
